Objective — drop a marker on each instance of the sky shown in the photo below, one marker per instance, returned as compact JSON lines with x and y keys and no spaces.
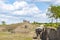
{"x":15,"y":11}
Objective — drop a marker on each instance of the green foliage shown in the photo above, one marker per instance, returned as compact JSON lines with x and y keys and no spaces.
{"x":54,"y":11}
{"x":3,"y":23}
{"x":36,"y":23}
{"x":51,"y":25}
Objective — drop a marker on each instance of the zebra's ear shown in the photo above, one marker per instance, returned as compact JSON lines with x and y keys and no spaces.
{"x":43,"y":29}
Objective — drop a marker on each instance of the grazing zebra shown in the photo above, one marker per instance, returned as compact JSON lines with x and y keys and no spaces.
{"x":39,"y":30}
{"x":58,"y":33}
{"x":46,"y":33}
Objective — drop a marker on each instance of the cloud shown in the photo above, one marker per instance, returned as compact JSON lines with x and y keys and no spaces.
{"x":56,"y":2}
{"x":42,"y":15}
{"x":19,"y":7}
{"x":30,"y":9}
{"x":21,"y":10}
{"x":20,"y":4}
{"x":36,"y":0}
{"x":9,"y":19}
{"x":5,"y":7}
{"x":42,"y":0}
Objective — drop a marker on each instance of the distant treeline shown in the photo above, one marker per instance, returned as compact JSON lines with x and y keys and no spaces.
{"x":35,"y":23}
{"x":48,"y":24}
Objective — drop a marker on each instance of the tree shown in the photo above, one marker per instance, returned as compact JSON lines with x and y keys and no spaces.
{"x":3,"y":23}
{"x":54,"y":12}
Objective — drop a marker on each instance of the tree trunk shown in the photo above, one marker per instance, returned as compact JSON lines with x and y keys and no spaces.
{"x":56,"y":21}
{"x":51,"y":22}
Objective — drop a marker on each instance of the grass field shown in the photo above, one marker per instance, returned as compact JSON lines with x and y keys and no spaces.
{"x":16,"y":36}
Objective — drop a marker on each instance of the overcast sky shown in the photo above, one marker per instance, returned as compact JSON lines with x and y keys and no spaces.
{"x":15,"y":11}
